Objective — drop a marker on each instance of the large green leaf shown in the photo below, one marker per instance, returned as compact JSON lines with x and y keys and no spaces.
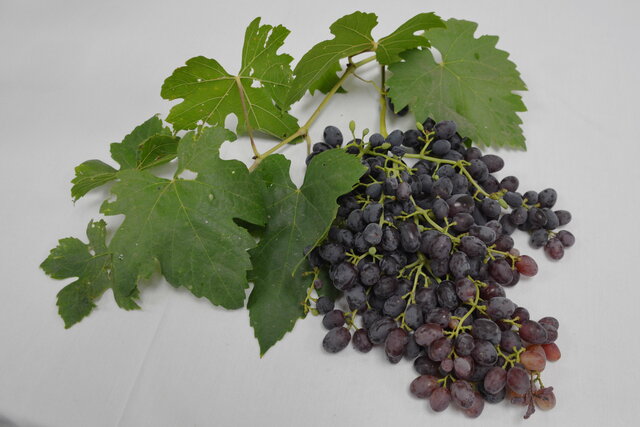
{"x":209,"y":93}
{"x":90,"y":263}
{"x":149,"y":144}
{"x":317,"y":68}
{"x":473,"y":85}
{"x":187,"y":226}
{"x":297,"y":218}
{"x":405,"y":37}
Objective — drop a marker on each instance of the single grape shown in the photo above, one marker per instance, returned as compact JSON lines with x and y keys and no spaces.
{"x":333,"y":253}
{"x":484,"y":353}
{"x":519,"y":215}
{"x":440,"y":147}
{"x":464,"y":344}
{"x":385,"y":287}
{"x":333,"y":319}
{"x":520,"y":314}
{"x":394,"y":306}
{"x":533,"y":361}
{"x":343,"y":275}
{"x":551,"y":351}
{"x":495,"y":380}
{"x":510,"y":341}
{"x":473,"y":153}
{"x":531,"y":197}
{"x":374,"y":190}
{"x":552,"y":219}
{"x":549,"y":320}
{"x":494,"y":163}
{"x":509,"y":183}
{"x":459,"y":265}
{"x":518,"y":380}
{"x":426,"y":334}
{"x":440,"y":247}
{"x":355,"y":222}
{"x":376,"y":140}
{"x":544,"y":398}
{"x":336,"y":340}
{"x":423,"y":386}
{"x":462,"y":222}
{"x":395,"y":138}
{"x":462,"y":394}
{"x":332,"y":136}
{"x":566,"y":238}
{"x":395,"y":344}
{"x":361,"y":341}
{"x":491,"y":208}
{"x":554,"y":248}
{"x":446,"y":294}
{"x":390,"y":239}
{"x":491,"y":290}
{"x":369,"y":273}
{"x":539,"y":238}
{"x":484,"y":233}
{"x":446,"y":366}
{"x":564,"y":217}
{"x":445,"y":129}
{"x":372,"y":212}
{"x":532,"y":332}
{"x":380,"y":329}
{"x":501,"y":271}
{"x":547,"y":198}
{"x":513,"y":199}
{"x":440,"y":209}
{"x":527,"y":266}
{"x":324,"y":305}
{"x":485,"y":329}
{"x":465,"y":289}
{"x":463,"y":367}
{"x":440,"y":399}
{"x":425,"y":366}
{"x":438,"y":315}
{"x":426,"y":298}
{"x":472,"y":246}
{"x":413,"y":350}
{"x":356,"y":298}
{"x":536,"y":218}
{"x":442,"y":188}
{"x":319,"y":147}
{"x":369,"y":317}
{"x":440,"y":349}
{"x":413,"y":316}
{"x":500,"y":308}
{"x":409,"y":237}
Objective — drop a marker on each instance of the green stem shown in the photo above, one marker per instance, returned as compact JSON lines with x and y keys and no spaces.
{"x":305,"y":128}
{"x":245,"y":113}
{"x":383,"y":103}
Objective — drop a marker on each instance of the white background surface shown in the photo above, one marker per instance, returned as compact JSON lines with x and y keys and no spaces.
{"x":76,"y":75}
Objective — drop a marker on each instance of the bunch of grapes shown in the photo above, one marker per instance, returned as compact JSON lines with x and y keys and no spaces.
{"x":421,"y":251}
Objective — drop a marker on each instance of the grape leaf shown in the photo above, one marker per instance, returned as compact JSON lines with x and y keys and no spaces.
{"x":149,"y":144}
{"x":90,"y":263}
{"x":209,"y":93}
{"x":404,"y":37}
{"x":297,"y":218}
{"x":187,"y":226}
{"x":473,"y":85}
{"x":89,"y":175}
{"x":317,"y":68}
{"x":126,"y":153}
